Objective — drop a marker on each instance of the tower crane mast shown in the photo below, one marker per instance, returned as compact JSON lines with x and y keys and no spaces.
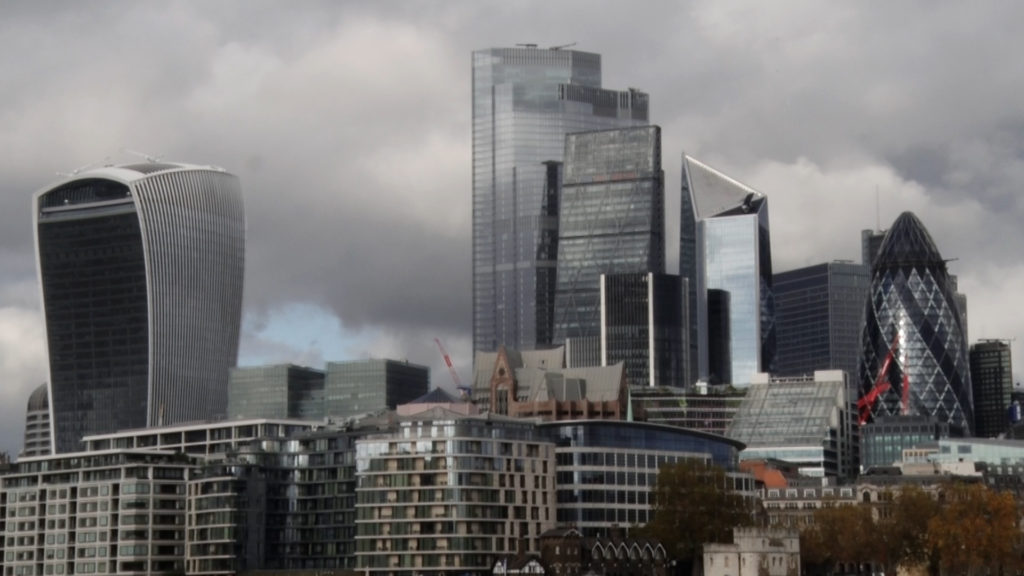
{"x":448,"y":363}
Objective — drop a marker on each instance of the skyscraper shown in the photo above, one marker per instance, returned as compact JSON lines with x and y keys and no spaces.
{"x":992,"y":382}
{"x":643,"y":324}
{"x":914,"y":351}
{"x":141,"y":270}
{"x":525,"y":100}
{"x":611,"y":220}
{"x":725,"y":244}
{"x":818,"y":315}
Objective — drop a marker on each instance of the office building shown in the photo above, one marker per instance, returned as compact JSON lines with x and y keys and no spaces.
{"x":818,"y":315}
{"x":448,"y":493}
{"x":37,"y":424}
{"x":808,"y":421}
{"x":728,"y":249}
{"x":611,"y":220}
{"x":884,"y":439}
{"x":141,"y":268}
{"x":607,"y":470}
{"x":359,"y":387}
{"x":870,"y":243}
{"x":277,"y":391}
{"x":643,"y":325}
{"x":992,"y":384}
{"x":525,"y":100}
{"x":915,"y":359}
{"x":708,"y":409}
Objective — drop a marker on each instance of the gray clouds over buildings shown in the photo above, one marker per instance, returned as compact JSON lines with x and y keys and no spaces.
{"x":349,"y":126}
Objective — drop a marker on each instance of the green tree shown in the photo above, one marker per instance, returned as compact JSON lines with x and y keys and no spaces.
{"x":694,"y":504}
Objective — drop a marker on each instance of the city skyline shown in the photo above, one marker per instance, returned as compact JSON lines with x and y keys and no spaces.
{"x":350,"y":129}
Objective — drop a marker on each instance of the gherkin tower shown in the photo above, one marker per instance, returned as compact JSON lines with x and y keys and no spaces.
{"x":915,"y":355}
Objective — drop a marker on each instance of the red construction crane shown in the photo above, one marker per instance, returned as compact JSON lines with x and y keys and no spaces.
{"x":451,"y":367}
{"x":882,"y":384}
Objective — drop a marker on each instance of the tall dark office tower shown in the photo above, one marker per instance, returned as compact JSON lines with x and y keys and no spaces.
{"x":730,"y":250}
{"x":992,"y":381}
{"x":717,"y":334}
{"x":643,"y":326}
{"x":870,"y":244}
{"x":818,"y":315}
{"x":141,"y":270}
{"x":914,"y":353}
{"x":612,"y":220}
{"x":525,"y":100}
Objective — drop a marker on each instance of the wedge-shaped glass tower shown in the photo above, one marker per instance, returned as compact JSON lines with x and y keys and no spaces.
{"x":725,"y":247}
{"x":141,"y":273}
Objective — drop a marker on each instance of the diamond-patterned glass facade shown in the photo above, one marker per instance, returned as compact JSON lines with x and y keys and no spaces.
{"x":912,"y":318}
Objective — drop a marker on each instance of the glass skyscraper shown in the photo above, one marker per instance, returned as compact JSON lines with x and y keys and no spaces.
{"x":141,"y":269}
{"x":819,"y":312}
{"x":915,"y":358}
{"x":611,"y":220}
{"x":725,"y":245}
{"x":643,"y":325}
{"x":525,"y":100}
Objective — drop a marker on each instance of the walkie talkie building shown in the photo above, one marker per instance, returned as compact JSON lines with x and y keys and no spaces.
{"x":915,"y":358}
{"x":141,"y":269}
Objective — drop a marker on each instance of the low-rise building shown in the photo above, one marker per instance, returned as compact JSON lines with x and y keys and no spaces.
{"x":755,"y":552}
{"x":536,"y":384}
{"x":115,"y":511}
{"x":447,"y":493}
{"x":607,"y":469}
{"x":807,"y":421}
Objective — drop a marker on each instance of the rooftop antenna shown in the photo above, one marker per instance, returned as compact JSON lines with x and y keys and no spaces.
{"x":84,"y":167}
{"x":148,"y":157}
{"x":569,"y":45}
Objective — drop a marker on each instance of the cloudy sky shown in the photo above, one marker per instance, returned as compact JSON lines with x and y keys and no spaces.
{"x":349,"y":125}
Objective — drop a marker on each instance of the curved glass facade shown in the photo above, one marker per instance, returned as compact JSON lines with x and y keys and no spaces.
{"x":605,"y":470}
{"x":912,"y":318}
{"x":141,"y":270}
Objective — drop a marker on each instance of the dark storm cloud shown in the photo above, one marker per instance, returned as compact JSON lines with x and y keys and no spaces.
{"x":349,"y":126}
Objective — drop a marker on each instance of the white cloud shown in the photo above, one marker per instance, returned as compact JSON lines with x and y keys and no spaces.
{"x":22,"y":369}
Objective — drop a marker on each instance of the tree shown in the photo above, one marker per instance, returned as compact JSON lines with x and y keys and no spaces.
{"x":977,"y":529}
{"x":904,"y":531}
{"x":843,"y":533}
{"x":694,"y":504}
